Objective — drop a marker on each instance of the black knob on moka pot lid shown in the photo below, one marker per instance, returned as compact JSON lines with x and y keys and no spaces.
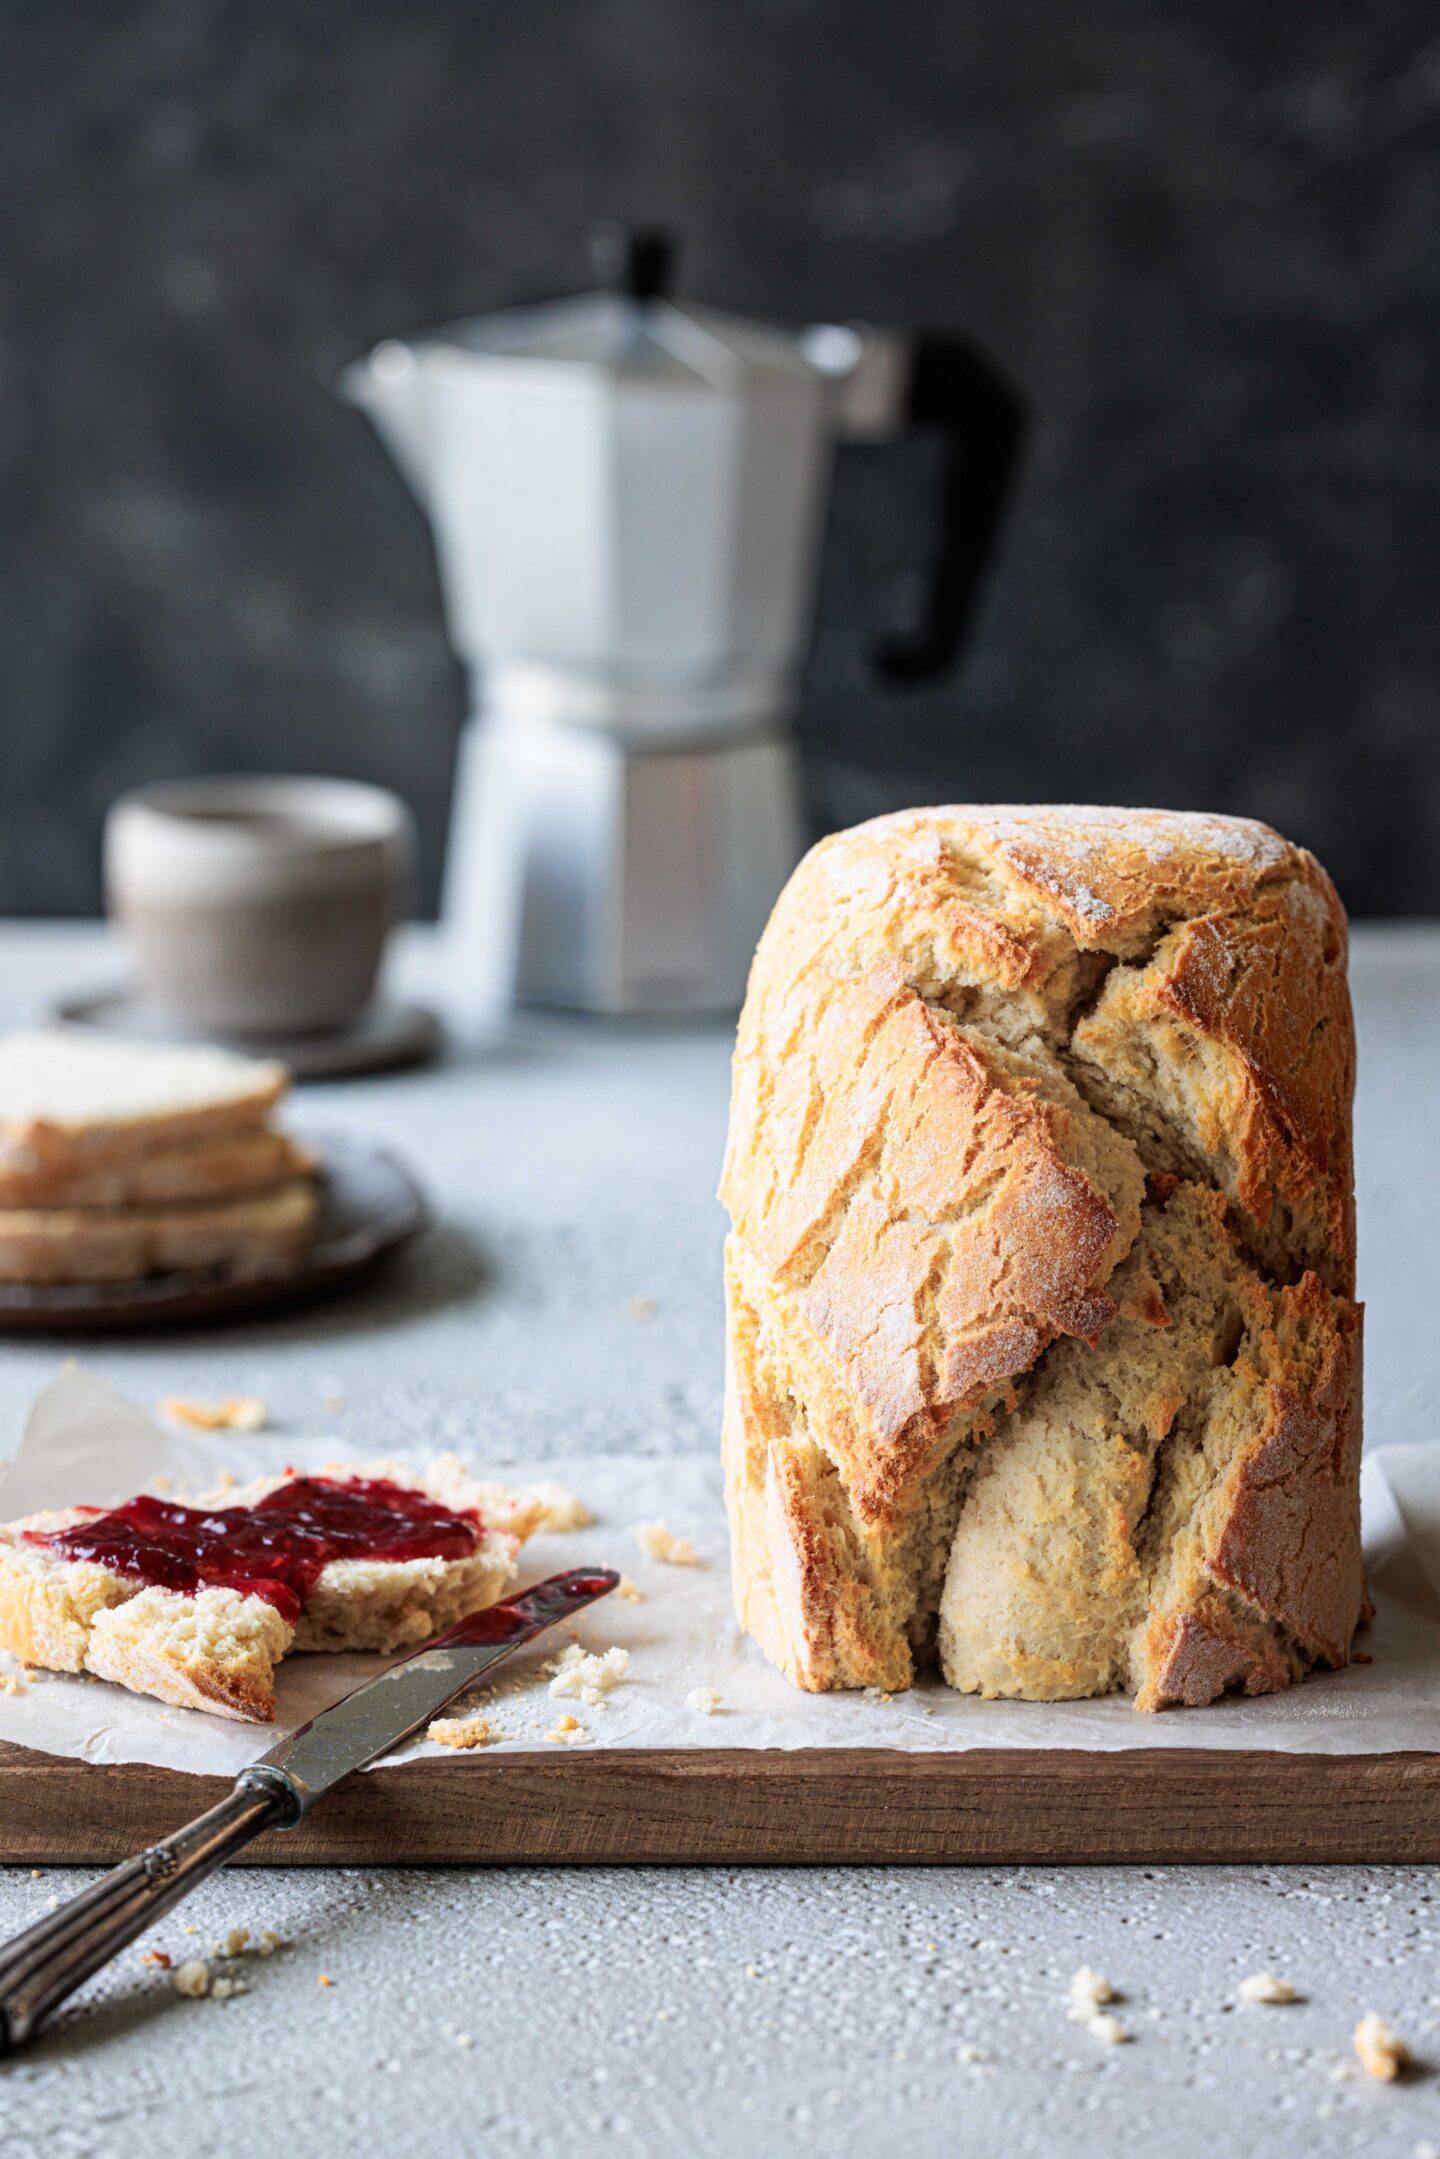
{"x":637,"y":260}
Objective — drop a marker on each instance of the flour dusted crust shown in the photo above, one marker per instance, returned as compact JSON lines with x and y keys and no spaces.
{"x":218,"y":1649}
{"x":1041,"y":1347}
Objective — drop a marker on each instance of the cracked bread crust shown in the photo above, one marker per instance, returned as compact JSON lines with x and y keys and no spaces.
{"x":970,"y":1036}
{"x":217,"y":1649}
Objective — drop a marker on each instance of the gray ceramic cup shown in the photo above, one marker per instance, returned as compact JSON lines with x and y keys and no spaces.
{"x":258,"y":906}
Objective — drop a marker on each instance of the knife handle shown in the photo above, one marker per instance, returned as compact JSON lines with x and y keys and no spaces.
{"x":47,"y":1962}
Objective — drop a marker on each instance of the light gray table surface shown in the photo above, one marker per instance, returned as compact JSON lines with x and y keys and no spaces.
{"x":572,"y":1165}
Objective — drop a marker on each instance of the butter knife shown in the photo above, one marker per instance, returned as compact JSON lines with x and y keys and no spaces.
{"x":45,"y":1964}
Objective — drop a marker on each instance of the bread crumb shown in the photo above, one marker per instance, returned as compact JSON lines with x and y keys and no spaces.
{"x":192,"y":1978}
{"x":222,"y":1989}
{"x":569,"y":1732}
{"x":657,"y":1542}
{"x":157,"y":1956}
{"x":1107,"y":2028}
{"x":37,"y":1874}
{"x":970,"y":2054}
{"x":1265,"y":1987}
{"x":587,"y":1677}
{"x":640,"y":1309}
{"x":10,"y":1684}
{"x":236,"y":1940}
{"x":268,"y":1943}
{"x":233,"y":1413}
{"x":471,"y":1731}
{"x":628,"y":1590}
{"x":1383,"y":2053}
{"x":876,"y":1694}
{"x":705,"y":1699}
{"x":324,"y":1980}
{"x":563,"y":1511}
{"x":1087,"y":1991}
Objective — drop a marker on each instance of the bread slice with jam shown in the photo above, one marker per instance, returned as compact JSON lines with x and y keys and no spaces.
{"x":197,"y":1602}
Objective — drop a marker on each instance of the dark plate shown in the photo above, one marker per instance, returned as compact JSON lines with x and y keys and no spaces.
{"x":370,"y":1205}
{"x":382,"y":1039}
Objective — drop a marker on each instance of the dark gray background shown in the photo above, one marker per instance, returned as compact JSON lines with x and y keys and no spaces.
{"x":1204,"y":237}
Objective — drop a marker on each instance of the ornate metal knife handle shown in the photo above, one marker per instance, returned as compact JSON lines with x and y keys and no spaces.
{"x":40,"y":1967}
{"x":47,"y":1962}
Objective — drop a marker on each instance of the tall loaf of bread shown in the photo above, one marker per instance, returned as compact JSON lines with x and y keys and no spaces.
{"x":1042,"y":1348}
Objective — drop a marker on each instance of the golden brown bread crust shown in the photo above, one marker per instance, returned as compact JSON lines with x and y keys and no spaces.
{"x":933,"y":1230}
{"x":1287,"y":1541}
{"x":969,"y":1035}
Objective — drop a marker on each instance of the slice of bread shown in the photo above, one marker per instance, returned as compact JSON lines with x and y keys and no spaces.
{"x":69,"y":1097}
{"x":217,"y":1649}
{"x":209,"y":1169}
{"x":78,"y":1244}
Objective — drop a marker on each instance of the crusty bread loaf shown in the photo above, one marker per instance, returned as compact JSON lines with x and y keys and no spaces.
{"x":1041,"y":1349}
{"x":69,"y":1097}
{"x":220,"y":1168}
{"x":218,"y":1648}
{"x":96,"y":1244}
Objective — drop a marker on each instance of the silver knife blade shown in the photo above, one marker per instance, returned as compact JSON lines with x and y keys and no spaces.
{"x":391,"y":1708}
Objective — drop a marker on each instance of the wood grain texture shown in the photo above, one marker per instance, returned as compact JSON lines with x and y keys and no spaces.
{"x":834,"y":1806}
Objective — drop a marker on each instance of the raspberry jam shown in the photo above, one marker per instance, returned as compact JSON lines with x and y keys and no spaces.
{"x":500,"y":1622}
{"x":275,"y":1549}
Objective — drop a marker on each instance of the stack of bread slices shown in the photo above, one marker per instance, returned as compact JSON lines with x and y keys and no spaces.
{"x":119,"y":1160}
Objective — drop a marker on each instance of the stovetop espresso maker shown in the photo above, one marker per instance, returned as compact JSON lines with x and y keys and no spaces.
{"x":627,"y":497}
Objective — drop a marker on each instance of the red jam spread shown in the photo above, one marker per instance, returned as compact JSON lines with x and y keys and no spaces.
{"x":500,"y":1621}
{"x":276,"y":1549}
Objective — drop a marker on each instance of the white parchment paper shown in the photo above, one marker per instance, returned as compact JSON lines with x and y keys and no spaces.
{"x":84,"y":1442}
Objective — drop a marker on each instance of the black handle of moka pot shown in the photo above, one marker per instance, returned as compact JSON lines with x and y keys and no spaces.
{"x":955,"y":392}
{"x":636,"y":260}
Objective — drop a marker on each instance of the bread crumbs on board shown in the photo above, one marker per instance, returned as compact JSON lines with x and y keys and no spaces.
{"x":587,"y":1676}
{"x":657,"y":1541}
{"x":232,"y":1413}
{"x":472,"y":1731}
{"x":563,"y":1511}
{"x":1383,"y":2053}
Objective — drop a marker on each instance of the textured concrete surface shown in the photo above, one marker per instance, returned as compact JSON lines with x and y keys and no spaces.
{"x":1201,"y":238}
{"x":749,"y":2015}
{"x":721,"y":2012}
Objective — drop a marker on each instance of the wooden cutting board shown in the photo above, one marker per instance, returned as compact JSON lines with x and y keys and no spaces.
{"x":722,"y":1807}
